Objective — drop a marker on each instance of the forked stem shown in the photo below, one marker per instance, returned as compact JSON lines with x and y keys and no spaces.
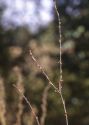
{"x":58,"y":90}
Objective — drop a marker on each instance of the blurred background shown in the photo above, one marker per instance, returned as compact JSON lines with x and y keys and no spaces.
{"x":33,"y":24}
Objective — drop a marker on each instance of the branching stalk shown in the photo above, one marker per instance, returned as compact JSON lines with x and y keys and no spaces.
{"x":59,"y":89}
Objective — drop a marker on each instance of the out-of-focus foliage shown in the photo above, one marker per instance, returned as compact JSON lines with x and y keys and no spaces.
{"x":14,"y":54}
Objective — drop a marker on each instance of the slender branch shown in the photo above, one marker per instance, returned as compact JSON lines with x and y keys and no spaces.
{"x":55,"y":88}
{"x":28,"y":102}
{"x":42,"y":70}
{"x":60,"y":40}
{"x":60,"y":61}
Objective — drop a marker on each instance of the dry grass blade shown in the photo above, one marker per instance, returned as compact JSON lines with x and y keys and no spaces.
{"x":28,"y":102}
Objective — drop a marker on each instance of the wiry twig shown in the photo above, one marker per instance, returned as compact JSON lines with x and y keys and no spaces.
{"x":55,"y":88}
{"x":60,"y":41}
{"x":43,"y":72}
{"x":44,"y":105}
{"x":60,"y":61}
{"x":28,"y":102}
